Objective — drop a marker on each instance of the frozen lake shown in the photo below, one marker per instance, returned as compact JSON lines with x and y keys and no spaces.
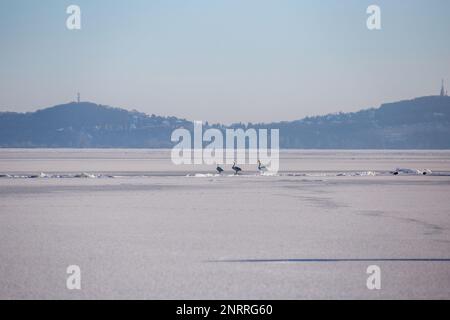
{"x":144,"y":228}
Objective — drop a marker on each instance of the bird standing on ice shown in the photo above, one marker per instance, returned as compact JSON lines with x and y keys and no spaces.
{"x":219,"y":169}
{"x":236,"y":169}
{"x":261,"y":168}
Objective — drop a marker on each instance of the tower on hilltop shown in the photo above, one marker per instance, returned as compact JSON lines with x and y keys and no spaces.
{"x":443,"y":91}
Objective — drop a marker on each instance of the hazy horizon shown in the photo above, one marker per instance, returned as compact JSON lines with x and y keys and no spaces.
{"x":211,"y":122}
{"x":222,"y":61}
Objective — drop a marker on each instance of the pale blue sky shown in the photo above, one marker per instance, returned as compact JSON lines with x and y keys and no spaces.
{"x":222,"y":60}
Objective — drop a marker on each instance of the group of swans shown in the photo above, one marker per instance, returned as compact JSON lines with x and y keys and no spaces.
{"x":236,"y":169}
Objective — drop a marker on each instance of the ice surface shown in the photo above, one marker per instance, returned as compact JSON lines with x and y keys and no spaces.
{"x":151,"y":231}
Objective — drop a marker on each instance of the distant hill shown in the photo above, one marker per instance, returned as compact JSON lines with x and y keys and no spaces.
{"x":86,"y":125}
{"x":421,"y":123}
